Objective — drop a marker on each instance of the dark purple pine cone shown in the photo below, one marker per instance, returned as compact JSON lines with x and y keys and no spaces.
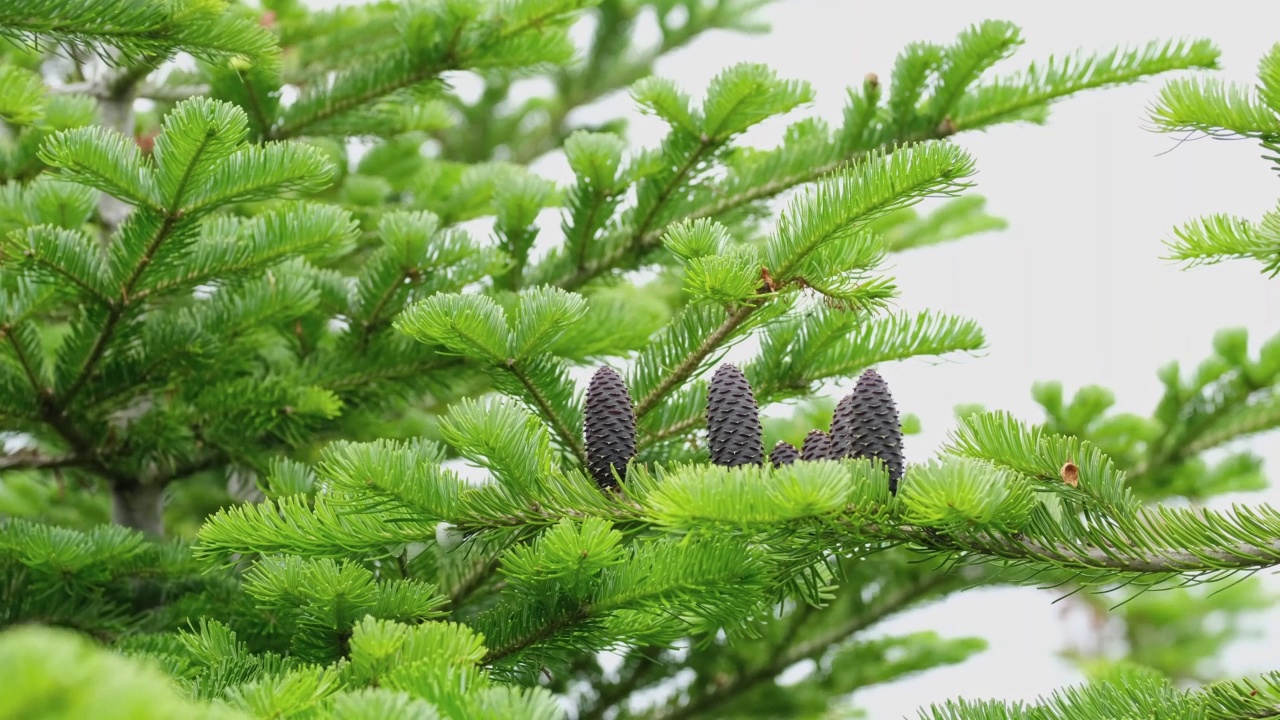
{"x":877,"y":432}
{"x":784,"y":453}
{"x":817,"y":446}
{"x":609,"y":427}
{"x":733,"y":420}
{"x":844,"y":425}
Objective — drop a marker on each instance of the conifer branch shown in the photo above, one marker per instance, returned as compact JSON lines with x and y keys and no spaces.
{"x":117,"y":310}
{"x":255,"y":109}
{"x":473,"y":581}
{"x":91,"y":292}
{"x":597,"y":202}
{"x":705,"y":146}
{"x":681,"y":372}
{"x":140,"y":29}
{"x":816,"y":223}
{"x":607,"y":66}
{"x":1259,"y":417}
{"x":1005,"y":100}
{"x":788,"y":654}
{"x":1178,"y":442}
{"x":644,"y":240}
{"x":1147,"y":544}
{"x":1227,"y":556}
{"x":82,"y":448}
{"x":568,"y":435}
{"x":451,"y":58}
{"x":32,"y":376}
{"x":543,"y":632}
{"x":412,"y":369}
{"x":345,"y":104}
{"x":1144,"y":545}
{"x":676,"y":429}
{"x":373,"y":321}
{"x":838,"y":344}
{"x":1061,"y":77}
{"x":1159,"y":543}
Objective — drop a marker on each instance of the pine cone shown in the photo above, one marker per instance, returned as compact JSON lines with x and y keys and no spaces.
{"x":609,"y":427}
{"x":733,"y":420}
{"x":844,"y":425}
{"x":817,"y":446}
{"x":784,"y":453}
{"x":877,"y":432}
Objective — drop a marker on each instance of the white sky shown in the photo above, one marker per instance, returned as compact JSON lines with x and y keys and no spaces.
{"x":1074,"y":290}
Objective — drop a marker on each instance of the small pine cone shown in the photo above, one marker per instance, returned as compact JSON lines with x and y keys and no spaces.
{"x":733,"y":420}
{"x":817,"y":446}
{"x":784,"y":453}
{"x":878,"y":434}
{"x":609,"y":427}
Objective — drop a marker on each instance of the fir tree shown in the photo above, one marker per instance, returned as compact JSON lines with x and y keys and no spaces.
{"x":206,"y":300}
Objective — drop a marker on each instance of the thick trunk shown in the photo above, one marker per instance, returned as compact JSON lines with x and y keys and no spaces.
{"x":139,"y":507}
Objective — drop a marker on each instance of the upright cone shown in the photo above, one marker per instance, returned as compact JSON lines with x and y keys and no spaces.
{"x":609,"y":427}
{"x":733,"y":420}
{"x":844,"y":426}
{"x":784,"y":453}
{"x":817,"y":446}
{"x":877,"y":432}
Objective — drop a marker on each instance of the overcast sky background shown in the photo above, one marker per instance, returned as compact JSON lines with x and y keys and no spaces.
{"x":1074,"y":290}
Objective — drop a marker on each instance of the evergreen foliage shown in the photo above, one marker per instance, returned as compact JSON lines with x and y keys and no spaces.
{"x":1225,"y":110}
{"x":392,"y":493}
